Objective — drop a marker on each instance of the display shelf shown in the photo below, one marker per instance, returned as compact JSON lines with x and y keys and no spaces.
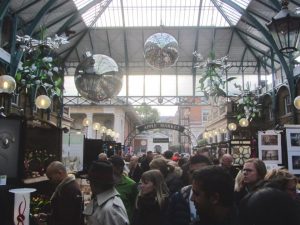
{"x":34,"y":180}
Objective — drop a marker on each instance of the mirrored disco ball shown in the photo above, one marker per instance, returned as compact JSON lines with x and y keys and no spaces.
{"x":161,"y":50}
{"x":97,"y":78}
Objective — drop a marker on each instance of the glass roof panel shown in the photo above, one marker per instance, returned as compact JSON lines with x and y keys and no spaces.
{"x":232,"y":14}
{"x":153,"y":13}
{"x":81,"y":3}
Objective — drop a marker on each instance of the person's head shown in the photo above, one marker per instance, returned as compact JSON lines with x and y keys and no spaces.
{"x":283,"y":180}
{"x":56,"y":172}
{"x":134,"y":160}
{"x":197,"y":162}
{"x":102,"y":156}
{"x":254,"y":170}
{"x":118,"y":164}
{"x":212,"y":191}
{"x":162,"y":165}
{"x":226,"y":161}
{"x":268,"y":206}
{"x":100,"y":175}
{"x":153,"y":182}
{"x":149,"y":155}
{"x":168,"y":154}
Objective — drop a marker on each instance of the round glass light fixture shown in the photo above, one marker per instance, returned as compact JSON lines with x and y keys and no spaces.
{"x":96,"y":126}
{"x":43,"y":102}
{"x":86,"y":122}
{"x":244,"y":122}
{"x":7,"y":84}
{"x":223,"y":130}
{"x":109,"y":132}
{"x":161,"y":50}
{"x":205,"y":135}
{"x":232,"y":126}
{"x":103,"y":129}
{"x":216,"y":132}
{"x":297,"y":102}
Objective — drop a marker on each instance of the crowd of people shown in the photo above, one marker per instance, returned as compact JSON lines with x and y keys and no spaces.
{"x":174,"y":189}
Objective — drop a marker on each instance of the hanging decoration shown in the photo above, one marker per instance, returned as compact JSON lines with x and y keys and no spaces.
{"x":247,"y":106}
{"x":212,"y":83}
{"x":161,"y":50}
{"x":98,"y":77}
{"x":40,"y":66}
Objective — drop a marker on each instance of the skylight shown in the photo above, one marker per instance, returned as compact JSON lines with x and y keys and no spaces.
{"x":153,"y":13}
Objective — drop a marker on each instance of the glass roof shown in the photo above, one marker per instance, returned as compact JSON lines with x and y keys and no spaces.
{"x":154,"y":13}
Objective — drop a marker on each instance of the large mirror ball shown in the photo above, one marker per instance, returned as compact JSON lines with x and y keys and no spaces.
{"x":161,"y":50}
{"x":98,"y":78}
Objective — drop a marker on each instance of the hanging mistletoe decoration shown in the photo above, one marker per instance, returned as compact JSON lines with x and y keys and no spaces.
{"x":213,"y":82}
{"x":40,"y":66}
{"x":247,"y":105}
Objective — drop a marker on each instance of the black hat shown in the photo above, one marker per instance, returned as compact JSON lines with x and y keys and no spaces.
{"x":101,"y":172}
{"x":117,"y":161}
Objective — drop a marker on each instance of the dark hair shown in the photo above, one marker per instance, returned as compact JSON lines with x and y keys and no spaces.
{"x":100,"y":174}
{"x":200,"y":159}
{"x":117,"y":161}
{"x":168,"y":154}
{"x":268,"y":206}
{"x":215,"y":179}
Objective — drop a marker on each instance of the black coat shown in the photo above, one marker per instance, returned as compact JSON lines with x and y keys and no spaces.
{"x":179,"y":208}
{"x":67,"y":206}
{"x":149,"y":212}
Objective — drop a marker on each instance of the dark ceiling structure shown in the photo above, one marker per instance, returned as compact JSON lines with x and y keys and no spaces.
{"x":246,"y":40}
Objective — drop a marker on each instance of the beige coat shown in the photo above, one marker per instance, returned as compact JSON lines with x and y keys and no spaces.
{"x":107,"y":208}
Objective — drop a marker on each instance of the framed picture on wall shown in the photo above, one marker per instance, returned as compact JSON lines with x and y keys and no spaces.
{"x":293,"y":139}
{"x":294,"y":162}
{"x":269,"y":146}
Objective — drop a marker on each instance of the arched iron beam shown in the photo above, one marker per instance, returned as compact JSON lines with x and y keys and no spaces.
{"x":266,"y":33}
{"x":276,"y":7}
{"x":16,"y":56}
{"x":230,"y":42}
{"x":194,"y":70}
{"x":233,"y":28}
{"x":26,"y":6}
{"x":3,"y":8}
{"x":84,"y":32}
{"x":125,"y":37}
{"x":70,"y":22}
{"x":196,"y":38}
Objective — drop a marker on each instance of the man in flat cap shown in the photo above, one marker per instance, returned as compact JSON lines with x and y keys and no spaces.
{"x":106,"y":206}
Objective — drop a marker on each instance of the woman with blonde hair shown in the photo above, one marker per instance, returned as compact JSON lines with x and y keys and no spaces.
{"x":283,"y":180}
{"x":152,"y":200}
{"x":172,"y":177}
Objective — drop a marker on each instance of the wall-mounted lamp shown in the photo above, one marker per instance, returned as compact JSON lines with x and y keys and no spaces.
{"x":7,"y":88}
{"x":43,"y":102}
{"x":86,"y":122}
{"x":96,"y":127}
{"x":223,"y":130}
{"x":297,"y":102}
{"x":103,"y":129}
{"x":244,"y":122}
{"x":7,"y":84}
{"x":232,"y":126}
